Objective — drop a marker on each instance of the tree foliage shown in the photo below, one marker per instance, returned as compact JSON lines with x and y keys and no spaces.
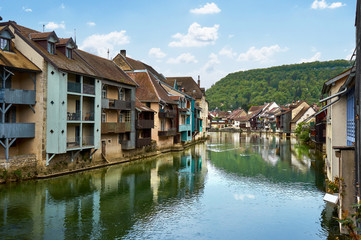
{"x":282,"y":84}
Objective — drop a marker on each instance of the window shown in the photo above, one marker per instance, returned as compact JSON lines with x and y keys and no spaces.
{"x":68,"y":53}
{"x":51,"y":48}
{"x":103,"y":117}
{"x":121,"y":94}
{"x":127,"y":116}
{"x":121,"y":117}
{"x":5,"y":44}
{"x":104,"y":92}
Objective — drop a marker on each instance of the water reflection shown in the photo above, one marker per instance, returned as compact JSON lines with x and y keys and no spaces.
{"x":102,"y":204}
{"x":232,"y":187}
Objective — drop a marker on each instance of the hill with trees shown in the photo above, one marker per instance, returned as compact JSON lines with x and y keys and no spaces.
{"x":282,"y":84}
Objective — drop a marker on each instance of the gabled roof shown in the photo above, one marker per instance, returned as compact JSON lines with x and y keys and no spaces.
{"x":327,"y":85}
{"x":140,"y":107}
{"x":300,"y":114}
{"x":43,"y":36}
{"x":106,"y":68}
{"x":66,"y":41}
{"x":190,"y":86}
{"x":6,"y":28}
{"x":236,"y":113}
{"x":81,"y":63}
{"x":149,"y":89}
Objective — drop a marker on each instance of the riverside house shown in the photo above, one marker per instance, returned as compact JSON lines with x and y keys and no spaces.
{"x":20,"y":102}
{"x":339,"y":96}
{"x":154,"y":96}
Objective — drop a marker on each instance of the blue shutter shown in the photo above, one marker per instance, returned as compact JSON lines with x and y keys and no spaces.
{"x":351,"y":117}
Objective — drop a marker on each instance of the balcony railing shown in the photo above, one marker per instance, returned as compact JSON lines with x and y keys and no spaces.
{"x":116,"y":104}
{"x":115,"y":127}
{"x":127,"y":145}
{"x":73,"y":142}
{"x":17,"y":130}
{"x":141,"y":142}
{"x":88,"y":89}
{"x":88,"y":141}
{"x":145,"y":124}
{"x":74,"y":87}
{"x":88,"y":116}
{"x":167,"y":133}
{"x":17,"y":96}
{"x":73,"y":116}
{"x":167,"y":114}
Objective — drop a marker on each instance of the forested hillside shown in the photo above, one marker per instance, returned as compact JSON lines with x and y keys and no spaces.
{"x":281,"y":84}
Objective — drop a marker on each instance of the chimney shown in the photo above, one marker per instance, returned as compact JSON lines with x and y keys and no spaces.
{"x":199,"y":81}
{"x":123,"y":52}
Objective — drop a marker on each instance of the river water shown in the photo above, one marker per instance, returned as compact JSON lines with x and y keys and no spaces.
{"x":231,"y":187}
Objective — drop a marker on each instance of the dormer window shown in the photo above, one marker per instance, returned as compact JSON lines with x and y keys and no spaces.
{"x":5,"y":44}
{"x":5,"y":38}
{"x":68,"y":53}
{"x":51,"y":48}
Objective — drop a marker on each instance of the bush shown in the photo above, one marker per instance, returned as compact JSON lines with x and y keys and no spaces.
{"x":303,"y":132}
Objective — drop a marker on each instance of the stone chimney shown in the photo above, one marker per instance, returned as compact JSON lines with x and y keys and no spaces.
{"x":123,"y":52}
{"x":199,"y":81}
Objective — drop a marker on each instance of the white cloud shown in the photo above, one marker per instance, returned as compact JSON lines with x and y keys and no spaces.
{"x":322,"y":4}
{"x":231,"y":36}
{"x":183,"y":58}
{"x":62,"y":6}
{"x":27,"y":9}
{"x":100,"y":43}
{"x":197,"y":36}
{"x":314,"y":58}
{"x":209,"y":8}
{"x":157,"y":53}
{"x":53,"y":25}
{"x":91,"y":24}
{"x":228,"y":52}
{"x":262,"y":54}
{"x":212,"y":62}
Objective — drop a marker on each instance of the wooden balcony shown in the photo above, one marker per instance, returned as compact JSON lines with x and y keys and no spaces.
{"x":167,"y":133}
{"x":115,"y":127}
{"x":144,"y":124}
{"x":141,"y":142}
{"x":116,"y":104}
{"x":167,"y":114}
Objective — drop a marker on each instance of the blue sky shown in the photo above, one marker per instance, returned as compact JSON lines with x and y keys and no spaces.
{"x":193,"y":37}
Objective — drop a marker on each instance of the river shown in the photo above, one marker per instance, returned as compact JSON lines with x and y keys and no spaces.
{"x":231,"y":187}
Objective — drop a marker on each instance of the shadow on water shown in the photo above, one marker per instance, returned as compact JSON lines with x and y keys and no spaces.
{"x":100,"y":204}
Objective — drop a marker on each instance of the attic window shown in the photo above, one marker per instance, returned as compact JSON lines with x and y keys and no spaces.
{"x":68,"y":53}
{"x":5,"y":44}
{"x":51,"y":48}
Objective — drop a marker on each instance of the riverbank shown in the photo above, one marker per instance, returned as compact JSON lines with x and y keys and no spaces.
{"x":29,"y":173}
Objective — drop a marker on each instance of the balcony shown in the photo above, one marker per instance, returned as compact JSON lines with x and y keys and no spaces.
{"x":17,"y":96}
{"x":88,"y":89}
{"x":141,"y":142}
{"x":72,"y":142}
{"x":116,"y":104}
{"x":88,"y":116}
{"x":74,"y":87}
{"x":167,"y":133}
{"x":115,"y":127}
{"x":145,"y":124}
{"x":167,"y":114}
{"x":127,"y":145}
{"x":73,"y":116}
{"x":17,"y":130}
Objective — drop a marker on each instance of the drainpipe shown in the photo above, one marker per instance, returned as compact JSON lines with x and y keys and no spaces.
{"x":335,"y":95}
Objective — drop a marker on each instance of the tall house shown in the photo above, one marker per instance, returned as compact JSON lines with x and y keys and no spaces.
{"x":144,"y":124}
{"x":154,"y":96}
{"x":199,"y":107}
{"x":71,"y":91}
{"x":117,"y":107}
{"x":184,"y":112}
{"x":18,"y":95}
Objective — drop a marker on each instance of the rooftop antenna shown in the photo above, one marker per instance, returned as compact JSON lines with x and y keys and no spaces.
{"x":75,"y":35}
{"x":43,"y":27}
{"x":108,"y":53}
